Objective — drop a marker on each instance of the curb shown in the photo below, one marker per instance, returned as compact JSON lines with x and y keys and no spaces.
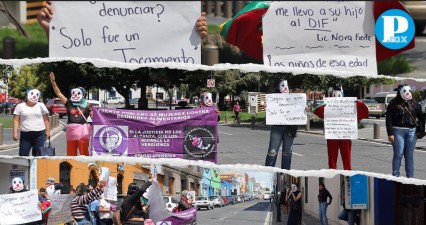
{"x":53,"y":132}
{"x":264,"y":127}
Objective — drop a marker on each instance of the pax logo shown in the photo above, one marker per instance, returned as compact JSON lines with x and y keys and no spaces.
{"x":395,"y":29}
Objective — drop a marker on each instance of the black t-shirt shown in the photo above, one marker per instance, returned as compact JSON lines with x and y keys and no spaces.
{"x":323,"y":195}
{"x":74,"y":114}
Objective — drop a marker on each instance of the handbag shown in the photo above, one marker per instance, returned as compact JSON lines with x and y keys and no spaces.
{"x":420,"y":130}
{"x":116,"y":216}
{"x":46,"y":150}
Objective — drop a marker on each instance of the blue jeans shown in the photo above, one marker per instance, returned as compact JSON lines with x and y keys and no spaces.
{"x":84,"y":221}
{"x":279,"y":134}
{"x":31,"y":139}
{"x":323,"y":213}
{"x":349,"y":215}
{"x":403,"y":145}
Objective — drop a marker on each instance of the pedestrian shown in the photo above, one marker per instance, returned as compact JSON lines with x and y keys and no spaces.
{"x":79,"y":203}
{"x":32,"y":117}
{"x":403,"y":115}
{"x":344,"y":145}
{"x":281,"y":134}
{"x":78,"y":110}
{"x":184,"y":203}
{"x":237,"y":110}
{"x":295,"y":200}
{"x":46,"y":14}
{"x":132,"y":212}
{"x":323,"y":204}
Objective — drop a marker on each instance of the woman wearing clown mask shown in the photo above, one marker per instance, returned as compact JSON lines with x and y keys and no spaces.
{"x":78,"y":109}
{"x":284,"y":134}
{"x":35,"y":127}
{"x":402,"y":116}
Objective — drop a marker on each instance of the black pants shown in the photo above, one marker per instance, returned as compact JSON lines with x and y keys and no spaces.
{"x":106,"y":222}
{"x":31,"y":139}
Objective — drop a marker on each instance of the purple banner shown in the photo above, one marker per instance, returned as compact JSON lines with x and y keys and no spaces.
{"x":187,"y":217}
{"x":188,"y":133}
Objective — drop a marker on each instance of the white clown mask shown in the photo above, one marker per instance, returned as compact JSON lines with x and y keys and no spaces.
{"x":207,"y":99}
{"x":293,"y":188}
{"x":76,"y":94}
{"x":33,"y":95}
{"x":337,"y":94}
{"x":50,"y":189}
{"x":17,"y":184}
{"x":284,"y":87}
{"x":406,"y":93}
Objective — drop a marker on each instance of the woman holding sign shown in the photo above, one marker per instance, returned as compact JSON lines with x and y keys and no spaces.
{"x":78,"y":110}
{"x":83,"y":198}
{"x":404,"y":118}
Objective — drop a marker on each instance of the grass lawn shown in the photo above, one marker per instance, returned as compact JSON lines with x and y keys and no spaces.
{"x":245,"y":117}
{"x":6,"y":121}
{"x":34,"y":46}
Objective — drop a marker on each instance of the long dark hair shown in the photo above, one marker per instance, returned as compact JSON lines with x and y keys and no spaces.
{"x":81,"y":189}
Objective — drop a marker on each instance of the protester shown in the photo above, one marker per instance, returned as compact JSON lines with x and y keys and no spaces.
{"x":207,"y":101}
{"x":46,"y":14}
{"x":33,"y":118}
{"x":323,"y":204}
{"x":105,"y":212}
{"x":295,"y":200}
{"x":93,"y":208}
{"x":84,"y":197}
{"x":237,"y":110}
{"x":184,"y":203}
{"x":17,"y":186}
{"x":42,"y":195}
{"x":403,"y":115}
{"x":284,"y":134}
{"x":345,"y":145}
{"x":132,"y":211}
{"x":78,"y":110}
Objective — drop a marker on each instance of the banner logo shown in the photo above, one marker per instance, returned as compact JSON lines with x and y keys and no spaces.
{"x":395,"y":29}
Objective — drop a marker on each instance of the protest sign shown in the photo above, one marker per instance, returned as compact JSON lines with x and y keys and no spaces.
{"x":340,"y":118}
{"x":110,"y":192}
{"x":19,"y":208}
{"x":60,"y":212}
{"x":187,"y":133}
{"x":286,"y":109}
{"x":315,"y":35}
{"x":181,"y":218}
{"x":126,"y":31}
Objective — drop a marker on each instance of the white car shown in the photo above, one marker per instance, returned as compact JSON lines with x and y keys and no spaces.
{"x":203,"y":202}
{"x":171,"y":202}
{"x":94,"y":103}
{"x":114,"y":100}
{"x":217,"y":200}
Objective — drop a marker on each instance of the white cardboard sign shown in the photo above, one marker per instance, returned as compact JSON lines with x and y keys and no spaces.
{"x":19,"y":208}
{"x":61,"y":209}
{"x":340,"y":118}
{"x":286,"y":109}
{"x":126,"y":31}
{"x":111,"y":189}
{"x":324,"y":36}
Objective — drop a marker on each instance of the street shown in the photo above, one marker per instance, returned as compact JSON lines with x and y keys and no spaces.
{"x":254,"y":212}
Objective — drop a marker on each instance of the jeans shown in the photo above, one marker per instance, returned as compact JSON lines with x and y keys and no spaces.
{"x":403,"y":145}
{"x":84,"y":221}
{"x":279,"y":134}
{"x":323,"y":213}
{"x":31,"y":139}
{"x":349,"y":215}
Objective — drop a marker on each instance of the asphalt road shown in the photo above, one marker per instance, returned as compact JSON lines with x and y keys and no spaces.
{"x":252,"y":212}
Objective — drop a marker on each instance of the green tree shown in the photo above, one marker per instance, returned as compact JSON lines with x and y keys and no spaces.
{"x":25,"y":79}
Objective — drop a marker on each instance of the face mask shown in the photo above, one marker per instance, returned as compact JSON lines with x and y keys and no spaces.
{"x":207,"y":99}
{"x":76,"y":94}
{"x":337,"y":94}
{"x":293,"y":188}
{"x":33,"y":95}
{"x":17,"y":184}
{"x":406,"y":93}
{"x":284,"y":87}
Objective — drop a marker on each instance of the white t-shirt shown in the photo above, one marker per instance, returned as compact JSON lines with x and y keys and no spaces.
{"x":105,"y":205}
{"x":31,"y":117}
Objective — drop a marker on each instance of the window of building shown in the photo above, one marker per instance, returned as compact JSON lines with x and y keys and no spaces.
{"x":93,"y":178}
{"x":65,"y":177}
{"x":112,"y":93}
{"x":120,"y":178}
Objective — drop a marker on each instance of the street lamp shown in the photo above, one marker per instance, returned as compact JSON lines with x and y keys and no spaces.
{"x":156,"y":96}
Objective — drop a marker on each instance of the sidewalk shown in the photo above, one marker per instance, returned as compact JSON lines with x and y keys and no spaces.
{"x":366,"y":133}
{"x":307,"y":219}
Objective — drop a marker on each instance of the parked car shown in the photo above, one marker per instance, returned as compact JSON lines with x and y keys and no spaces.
{"x":203,"y":202}
{"x":225,"y":200}
{"x":8,"y":107}
{"x":134,"y":102}
{"x":374,"y":108}
{"x":95,"y":103}
{"x":217,"y":200}
{"x":384,"y":98}
{"x":55,"y":105}
{"x":238,"y":199}
{"x":171,"y":202}
{"x":266,"y":196}
{"x":231,"y":199}
{"x":417,"y":10}
{"x":115,"y":100}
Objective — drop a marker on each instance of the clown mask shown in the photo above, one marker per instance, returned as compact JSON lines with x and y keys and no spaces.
{"x":337,"y":94}
{"x":17,"y":184}
{"x":76,"y":94}
{"x":406,"y":93}
{"x":283,"y":86}
{"x":33,"y":95}
{"x":293,"y":188}
{"x":207,"y":99}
